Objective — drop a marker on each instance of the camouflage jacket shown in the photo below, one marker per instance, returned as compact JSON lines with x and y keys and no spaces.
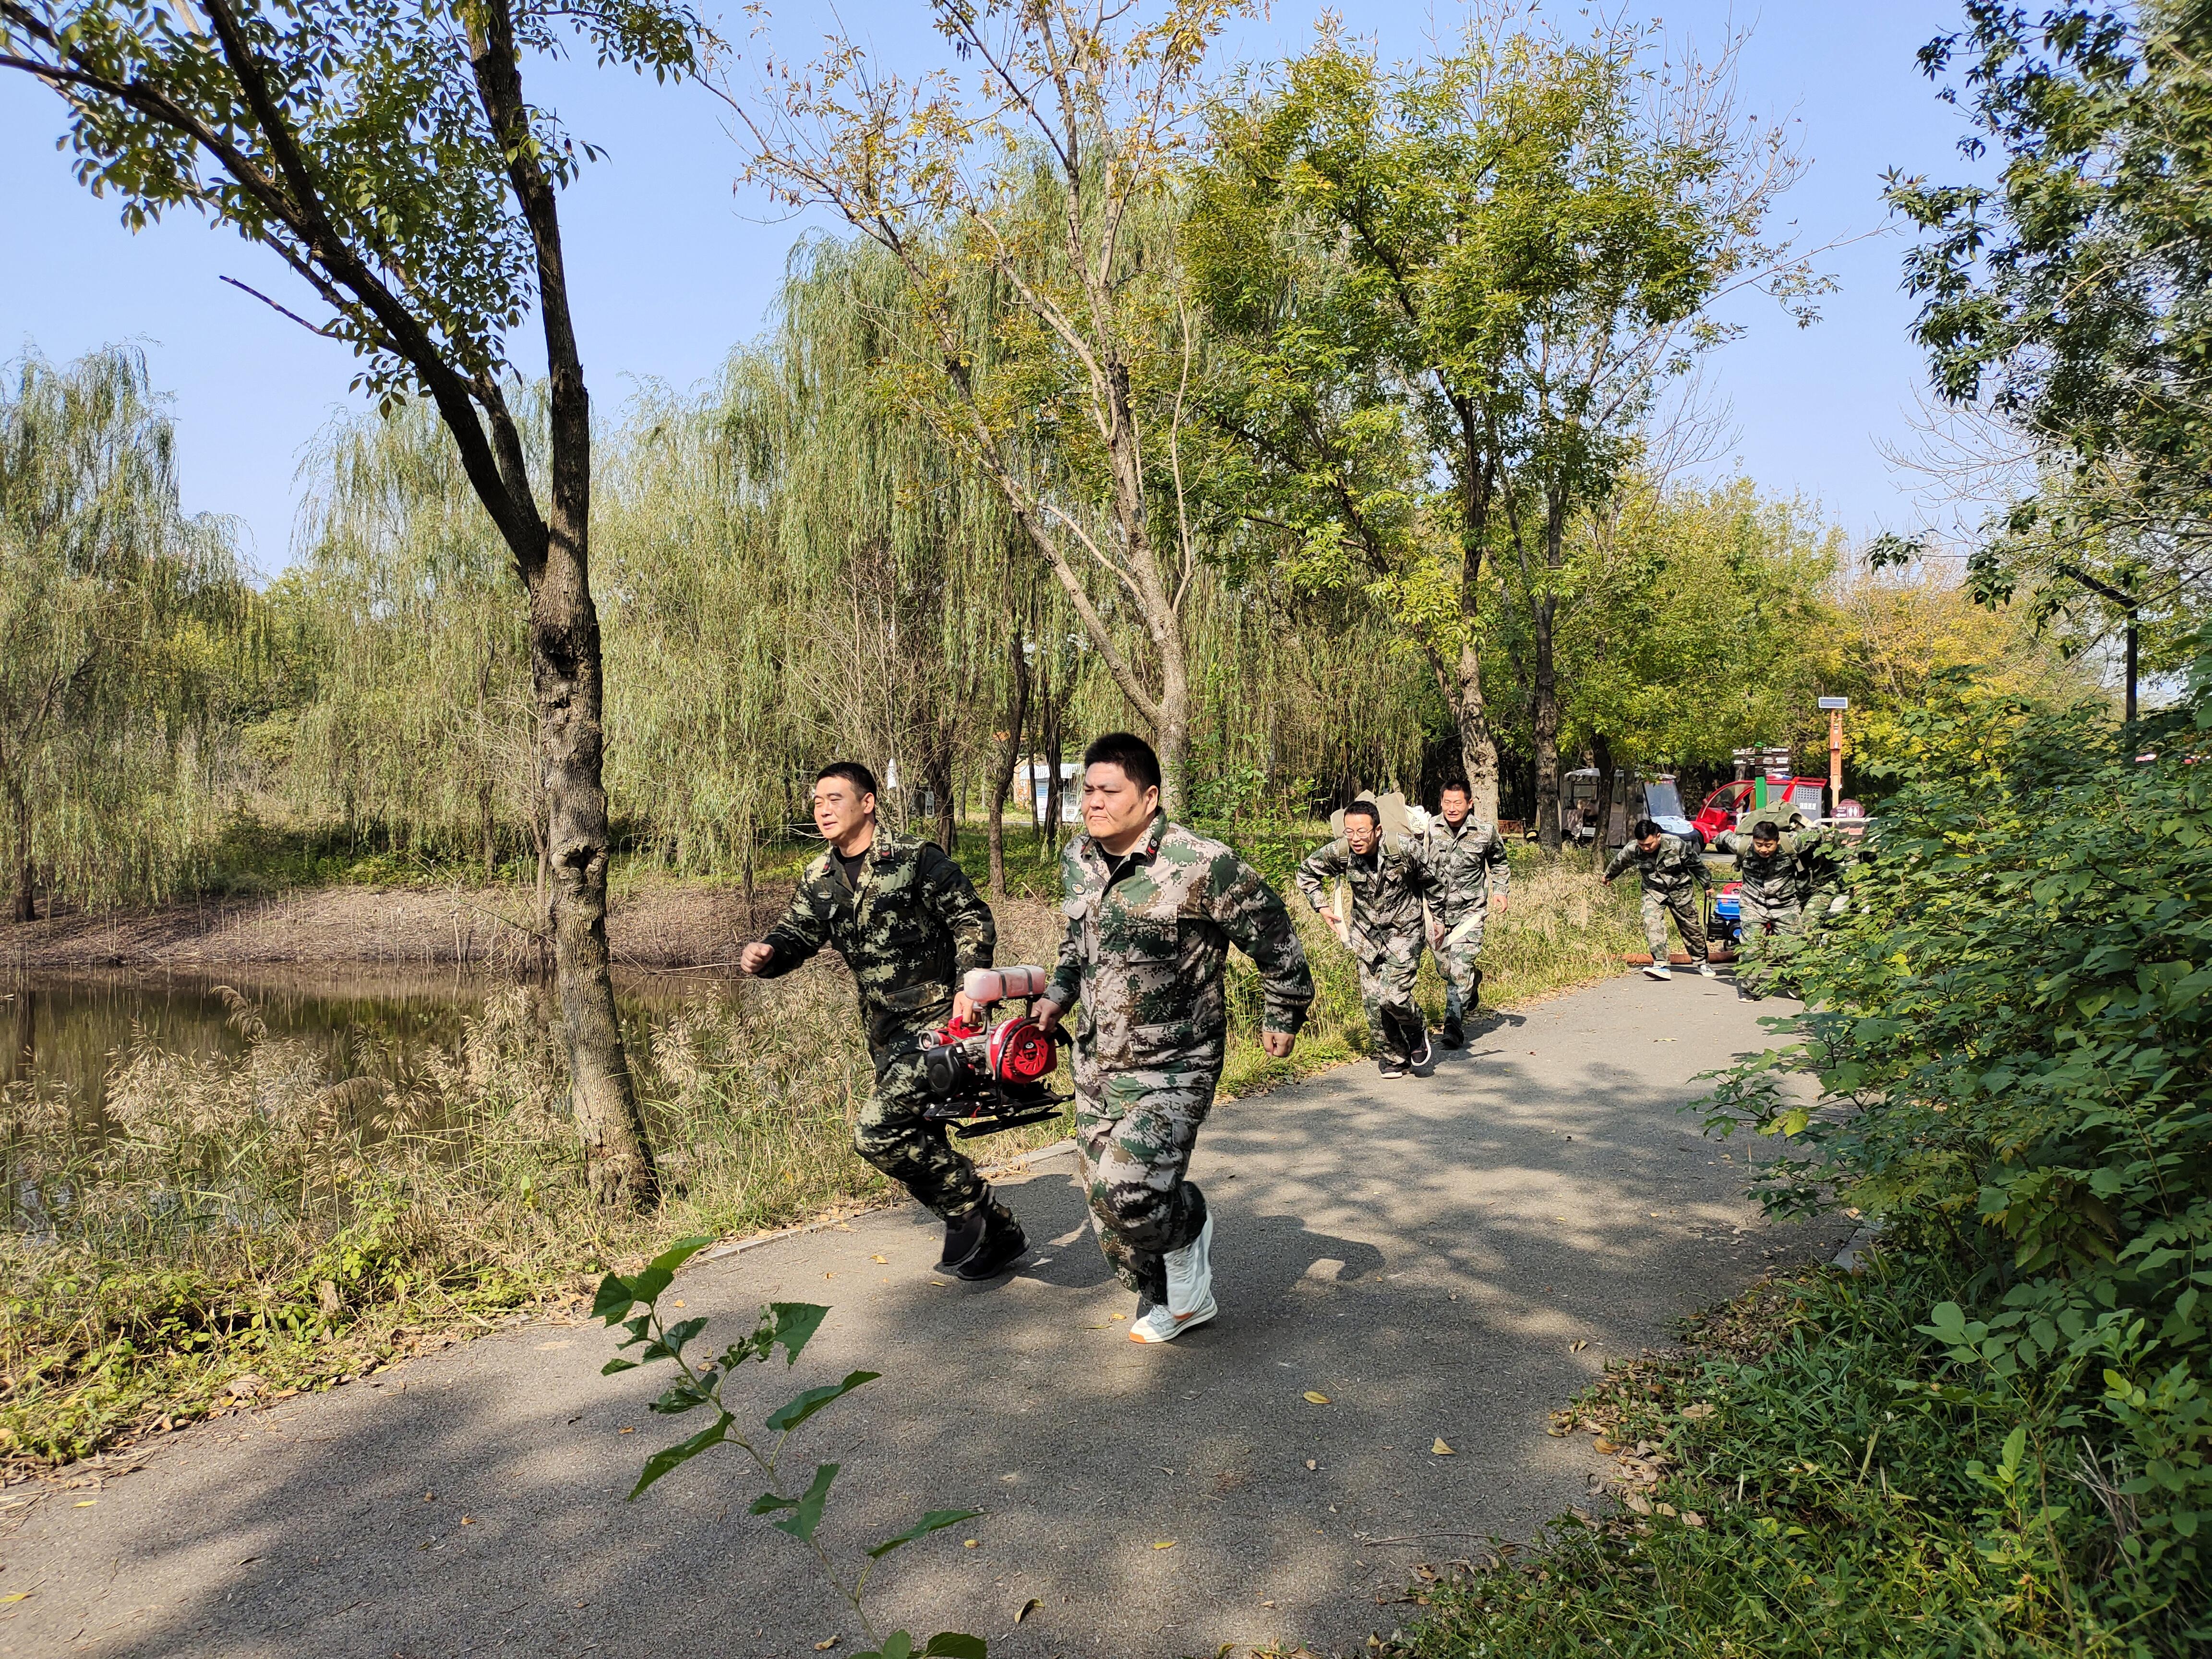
{"x":1466,"y":861}
{"x":1774,"y":882}
{"x":909,"y":930}
{"x":1388,"y":890}
{"x":1676,"y":867}
{"x":1143,"y":953}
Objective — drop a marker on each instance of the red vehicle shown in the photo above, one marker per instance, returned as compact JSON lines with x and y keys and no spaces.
{"x":1734,"y":806}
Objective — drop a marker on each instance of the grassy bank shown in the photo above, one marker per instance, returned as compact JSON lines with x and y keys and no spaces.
{"x":243,"y":1227}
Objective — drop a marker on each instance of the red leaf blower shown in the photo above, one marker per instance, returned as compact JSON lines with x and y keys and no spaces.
{"x":991,"y":1078}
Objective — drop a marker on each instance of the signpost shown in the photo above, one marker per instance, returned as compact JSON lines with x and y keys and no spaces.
{"x":1835,"y":706}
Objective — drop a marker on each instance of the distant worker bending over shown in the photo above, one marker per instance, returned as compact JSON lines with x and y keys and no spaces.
{"x":1468,"y":861}
{"x":1153,"y":909}
{"x":1390,"y":879}
{"x":910,"y":924}
{"x":1674,"y":871}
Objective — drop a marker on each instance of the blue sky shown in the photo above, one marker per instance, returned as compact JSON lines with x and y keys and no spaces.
{"x":670,"y":265}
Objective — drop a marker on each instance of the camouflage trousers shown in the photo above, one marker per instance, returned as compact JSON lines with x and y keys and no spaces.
{"x":1134,"y":1134}
{"x":1386,"y":988}
{"x":893,"y":1135}
{"x":1770,"y":936}
{"x":1682,"y":905}
{"x":1456,"y":958}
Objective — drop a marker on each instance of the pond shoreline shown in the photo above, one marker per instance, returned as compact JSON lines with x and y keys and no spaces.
{"x":657,"y":925}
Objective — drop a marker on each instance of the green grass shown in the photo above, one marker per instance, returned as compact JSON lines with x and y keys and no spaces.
{"x":1824,"y":1489}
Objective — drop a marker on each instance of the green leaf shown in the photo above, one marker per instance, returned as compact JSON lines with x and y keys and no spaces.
{"x":683,"y":1452}
{"x":807,"y":1510}
{"x":793,"y":1412}
{"x":898,"y":1645}
{"x":795,"y":1325}
{"x":935,"y":1521}
{"x":614,"y":1299}
{"x":951,"y":1644}
{"x":678,"y":1253}
{"x":614,"y":1365}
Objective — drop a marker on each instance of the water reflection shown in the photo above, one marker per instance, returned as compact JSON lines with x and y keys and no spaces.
{"x":63,"y":1031}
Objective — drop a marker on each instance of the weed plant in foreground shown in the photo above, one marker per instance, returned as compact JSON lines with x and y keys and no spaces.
{"x":245,"y":1227}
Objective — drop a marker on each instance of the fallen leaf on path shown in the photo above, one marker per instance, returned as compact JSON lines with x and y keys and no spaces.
{"x":879,"y":1258}
{"x":969,"y":1543}
{"x":938,"y":1282}
{"x":1311,"y":1464}
{"x":824,"y":1647}
{"x":829,"y":1275}
{"x":1317,"y":1399}
{"x":19,"y":1596}
{"x":1576,"y":1347}
{"x":1637,"y":1503}
{"x":1028,"y":1607}
{"x":1606,"y":1447}
{"x":84,"y":1503}
{"x":1666,"y":1508}
{"x":468,"y":1520}
{"x":1691,"y":1518}
{"x":676,"y":1304}
{"x":625,"y":1431}
{"x":1166,"y":1544}
{"x":1440,"y":1449}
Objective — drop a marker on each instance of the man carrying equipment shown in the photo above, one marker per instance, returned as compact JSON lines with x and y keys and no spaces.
{"x":1151,"y":912}
{"x":1767,"y":872}
{"x":1673,"y":871}
{"x":908,"y":924}
{"x":1468,"y":861}
{"x":1390,"y":877}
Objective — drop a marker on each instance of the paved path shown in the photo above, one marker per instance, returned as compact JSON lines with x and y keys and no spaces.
{"x":1450,"y":1257}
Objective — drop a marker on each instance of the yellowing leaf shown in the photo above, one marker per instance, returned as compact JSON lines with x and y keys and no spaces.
{"x":1166,"y":1544}
{"x":85,"y":1503}
{"x":1317,"y":1399}
{"x":1028,"y":1607}
{"x":1440,"y":1449}
{"x":879,"y":1258}
{"x":18,"y":1596}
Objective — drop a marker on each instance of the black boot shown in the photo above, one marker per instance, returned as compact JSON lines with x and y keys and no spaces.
{"x":963,"y":1238}
{"x":1453,"y":1034}
{"x":1003,"y":1240}
{"x":1474,"y":992}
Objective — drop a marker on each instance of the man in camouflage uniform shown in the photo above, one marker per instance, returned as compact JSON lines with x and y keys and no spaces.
{"x":1767,"y":872}
{"x":1390,"y":877}
{"x":1674,"y":871}
{"x":909,"y":925}
{"x":1151,"y":912}
{"x":1468,"y":861}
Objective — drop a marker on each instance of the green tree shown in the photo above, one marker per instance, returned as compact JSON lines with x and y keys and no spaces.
{"x":2069,"y":297}
{"x":1478,"y":269}
{"x":124,"y":620}
{"x":388,"y":155}
{"x":1048,"y":177}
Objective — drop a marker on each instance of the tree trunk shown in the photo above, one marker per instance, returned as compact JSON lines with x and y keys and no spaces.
{"x":1054,"y":743}
{"x":1478,"y":747}
{"x":566,"y":664}
{"x":1602,"y":757}
{"x":1546,"y":727}
{"x":1002,"y":775}
{"x":936,"y":778}
{"x":26,"y":906}
{"x":491,"y":832}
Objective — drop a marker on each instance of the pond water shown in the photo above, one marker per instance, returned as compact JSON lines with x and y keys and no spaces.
{"x":63,"y":1031}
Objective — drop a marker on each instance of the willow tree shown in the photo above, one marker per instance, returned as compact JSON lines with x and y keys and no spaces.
{"x":421,"y":718}
{"x":122,"y":618}
{"x":387,"y":155}
{"x":1040,"y":172}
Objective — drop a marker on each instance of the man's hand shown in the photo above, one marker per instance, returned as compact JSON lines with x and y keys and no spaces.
{"x":1436,"y":936}
{"x":1045,"y":1011}
{"x":1277,"y":1044}
{"x":1500,"y":904}
{"x":754,"y":958}
{"x":966,"y":1012}
{"x":1336,"y":927}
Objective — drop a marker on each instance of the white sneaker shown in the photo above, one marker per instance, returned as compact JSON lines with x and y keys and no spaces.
{"x":1190,"y":1274}
{"x":1658,"y":970}
{"x":1706,"y":971}
{"x":1158,"y":1325}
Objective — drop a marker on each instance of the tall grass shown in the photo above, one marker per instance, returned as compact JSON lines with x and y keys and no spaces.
{"x":242,"y":1225}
